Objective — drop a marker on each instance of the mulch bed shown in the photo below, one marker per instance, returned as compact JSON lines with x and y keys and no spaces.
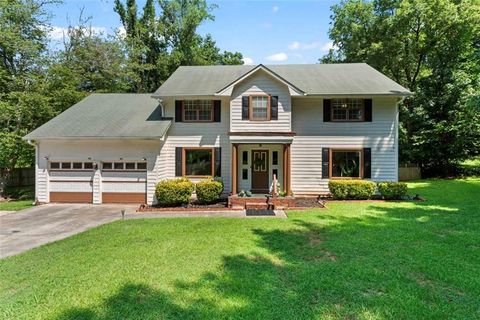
{"x":218,"y":206}
{"x":308,"y":203}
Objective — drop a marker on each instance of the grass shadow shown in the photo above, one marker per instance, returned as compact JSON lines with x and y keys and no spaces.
{"x":384,"y":260}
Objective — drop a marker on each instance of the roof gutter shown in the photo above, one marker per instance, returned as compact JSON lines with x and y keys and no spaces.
{"x":99,"y":138}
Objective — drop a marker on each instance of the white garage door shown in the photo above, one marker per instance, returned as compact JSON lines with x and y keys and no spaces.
{"x":127,"y":185}
{"x":71,"y":182}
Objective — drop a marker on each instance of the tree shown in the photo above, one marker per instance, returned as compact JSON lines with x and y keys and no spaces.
{"x":158,"y":44}
{"x":88,"y":62}
{"x":22,"y":64}
{"x":432,"y":48}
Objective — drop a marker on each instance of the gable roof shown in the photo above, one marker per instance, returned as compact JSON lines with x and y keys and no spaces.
{"x":312,"y":79}
{"x":268,"y":71}
{"x":107,"y":116}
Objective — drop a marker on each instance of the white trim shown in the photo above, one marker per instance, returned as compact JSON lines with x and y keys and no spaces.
{"x":261,"y":139}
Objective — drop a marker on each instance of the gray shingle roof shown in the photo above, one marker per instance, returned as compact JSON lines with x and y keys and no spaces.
{"x":313,"y":79}
{"x":107,"y":116}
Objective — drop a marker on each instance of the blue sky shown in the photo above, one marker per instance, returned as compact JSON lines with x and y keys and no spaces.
{"x":268,"y":32}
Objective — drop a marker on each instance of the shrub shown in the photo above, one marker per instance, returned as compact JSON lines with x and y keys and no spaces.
{"x":351,"y":189}
{"x":392,"y":190}
{"x":19,"y":193}
{"x":209,"y":190}
{"x":174,"y":192}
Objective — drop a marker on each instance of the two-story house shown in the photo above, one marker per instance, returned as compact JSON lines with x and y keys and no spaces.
{"x":304,"y":124}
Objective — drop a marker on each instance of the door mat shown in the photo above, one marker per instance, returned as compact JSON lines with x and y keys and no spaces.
{"x":254,"y":212}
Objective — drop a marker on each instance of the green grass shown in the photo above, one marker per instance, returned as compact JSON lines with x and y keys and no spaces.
{"x":397,"y":260}
{"x":15,"y":205}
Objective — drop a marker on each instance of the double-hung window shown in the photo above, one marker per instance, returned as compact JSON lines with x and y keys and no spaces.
{"x":198,"y":110}
{"x":260,"y":107}
{"x":348,"y":109}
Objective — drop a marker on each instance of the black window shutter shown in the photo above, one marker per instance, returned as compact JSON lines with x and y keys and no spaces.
{"x":217,"y":108}
{"x":178,"y":161}
{"x":274,"y":107}
{"x":327,"y":103}
{"x":245,"y":107}
{"x":367,"y":163}
{"x":325,"y":163}
{"x":178,"y":110}
{"x":368,"y":109}
{"x":218,"y":162}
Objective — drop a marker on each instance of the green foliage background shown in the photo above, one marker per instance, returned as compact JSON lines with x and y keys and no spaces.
{"x":432,"y":47}
{"x":37,"y":83}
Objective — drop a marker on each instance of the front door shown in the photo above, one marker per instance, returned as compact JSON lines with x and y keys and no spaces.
{"x":260,"y":171}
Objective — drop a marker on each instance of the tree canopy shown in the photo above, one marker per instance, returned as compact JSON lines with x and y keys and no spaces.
{"x":431,"y":47}
{"x":161,"y":38}
{"x":38,"y":82}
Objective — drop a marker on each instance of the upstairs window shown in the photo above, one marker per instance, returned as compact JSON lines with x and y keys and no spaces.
{"x":260,"y":108}
{"x":198,"y":110}
{"x":348,"y":110}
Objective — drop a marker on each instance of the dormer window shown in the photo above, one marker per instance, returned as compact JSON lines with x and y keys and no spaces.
{"x":197,"y":110}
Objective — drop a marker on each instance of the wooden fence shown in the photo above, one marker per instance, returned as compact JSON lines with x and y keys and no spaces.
{"x":409,"y":172}
{"x":20,"y":177}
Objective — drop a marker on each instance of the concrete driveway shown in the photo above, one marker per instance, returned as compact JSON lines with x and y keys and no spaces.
{"x":33,"y":227}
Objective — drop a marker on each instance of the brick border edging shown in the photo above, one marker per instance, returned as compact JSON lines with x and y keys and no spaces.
{"x":182,"y":209}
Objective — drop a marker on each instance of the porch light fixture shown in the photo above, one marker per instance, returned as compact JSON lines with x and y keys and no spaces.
{"x":46,"y":158}
{"x":144,"y":159}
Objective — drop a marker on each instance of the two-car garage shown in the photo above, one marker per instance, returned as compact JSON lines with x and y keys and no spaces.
{"x":113,"y":181}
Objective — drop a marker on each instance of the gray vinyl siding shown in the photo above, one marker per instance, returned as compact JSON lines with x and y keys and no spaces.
{"x":260,"y":83}
{"x":313,"y":134}
{"x":183,"y":134}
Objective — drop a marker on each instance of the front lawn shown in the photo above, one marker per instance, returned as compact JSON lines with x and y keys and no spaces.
{"x":15,"y":205}
{"x":352,"y":261}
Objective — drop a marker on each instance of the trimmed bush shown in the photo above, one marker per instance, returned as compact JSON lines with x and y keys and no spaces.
{"x":351,"y":189}
{"x":392,"y":190}
{"x":209,"y":190}
{"x":174,"y":192}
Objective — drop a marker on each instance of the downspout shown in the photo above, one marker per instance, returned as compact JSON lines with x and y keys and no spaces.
{"x":397,"y":123}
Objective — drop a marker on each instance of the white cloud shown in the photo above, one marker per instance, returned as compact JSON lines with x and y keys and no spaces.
{"x":57,"y":33}
{"x":277,"y":57}
{"x":324,"y":47}
{"x":275,"y":9}
{"x":295,"y":45}
{"x":329,"y":45}
{"x":247,"y":60}
{"x":303,"y":46}
{"x":121,"y":31}
{"x":98,"y":30}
